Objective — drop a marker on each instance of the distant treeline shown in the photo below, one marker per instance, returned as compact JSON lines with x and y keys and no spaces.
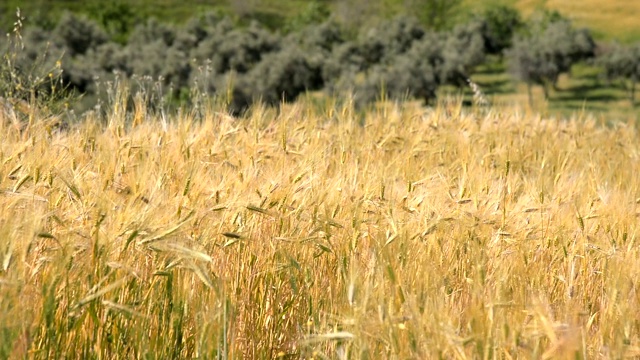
{"x":211,"y":54}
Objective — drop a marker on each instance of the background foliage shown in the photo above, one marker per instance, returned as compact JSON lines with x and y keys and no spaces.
{"x":243,"y":58}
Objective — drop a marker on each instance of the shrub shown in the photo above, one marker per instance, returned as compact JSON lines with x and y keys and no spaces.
{"x":280,"y":76}
{"x":236,"y":49}
{"x":407,"y":63}
{"x":152,"y":31}
{"x":76,"y":34}
{"x":159,"y":61}
{"x":71,"y":45}
{"x":408,"y":77}
{"x":205,"y":26}
{"x":374,"y":49}
{"x":499,"y":25}
{"x":153,"y":50}
{"x":388,"y":39}
{"x":322,"y":37}
{"x":345,"y":60}
{"x":462,"y":50}
{"x":317,"y":43}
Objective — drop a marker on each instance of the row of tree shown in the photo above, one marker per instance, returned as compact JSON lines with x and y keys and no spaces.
{"x":396,"y":59}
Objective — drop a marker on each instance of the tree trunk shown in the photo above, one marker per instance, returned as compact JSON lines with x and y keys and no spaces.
{"x":545,"y":90}
{"x":555,"y":83}
{"x":633,"y":91}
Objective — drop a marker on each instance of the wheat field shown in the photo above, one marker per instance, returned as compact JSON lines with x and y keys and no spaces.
{"x":320,"y":233}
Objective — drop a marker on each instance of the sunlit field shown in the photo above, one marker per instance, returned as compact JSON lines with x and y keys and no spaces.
{"x":319,"y":232}
{"x":613,"y":19}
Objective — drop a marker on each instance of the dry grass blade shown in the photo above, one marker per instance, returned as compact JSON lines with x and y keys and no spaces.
{"x":24,"y":195}
{"x":7,"y":259}
{"x":12,"y":172}
{"x":231,"y":241}
{"x":21,"y":182}
{"x":259,"y":210}
{"x":332,"y":336}
{"x":166,"y":233}
{"x":44,"y":235}
{"x":74,"y":190}
{"x":232,"y":235}
{"x":189,"y":252}
{"x":122,"y":308}
{"x":99,"y":292}
{"x":202,"y":274}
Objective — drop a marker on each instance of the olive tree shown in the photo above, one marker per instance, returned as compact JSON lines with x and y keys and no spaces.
{"x":499,"y":25}
{"x":549,"y":49}
{"x":623,"y":63}
{"x":462,"y":50}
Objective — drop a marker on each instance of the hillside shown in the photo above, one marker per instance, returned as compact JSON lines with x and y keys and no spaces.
{"x":615,"y":19}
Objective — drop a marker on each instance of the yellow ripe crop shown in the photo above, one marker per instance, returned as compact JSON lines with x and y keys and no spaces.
{"x":401,"y":232}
